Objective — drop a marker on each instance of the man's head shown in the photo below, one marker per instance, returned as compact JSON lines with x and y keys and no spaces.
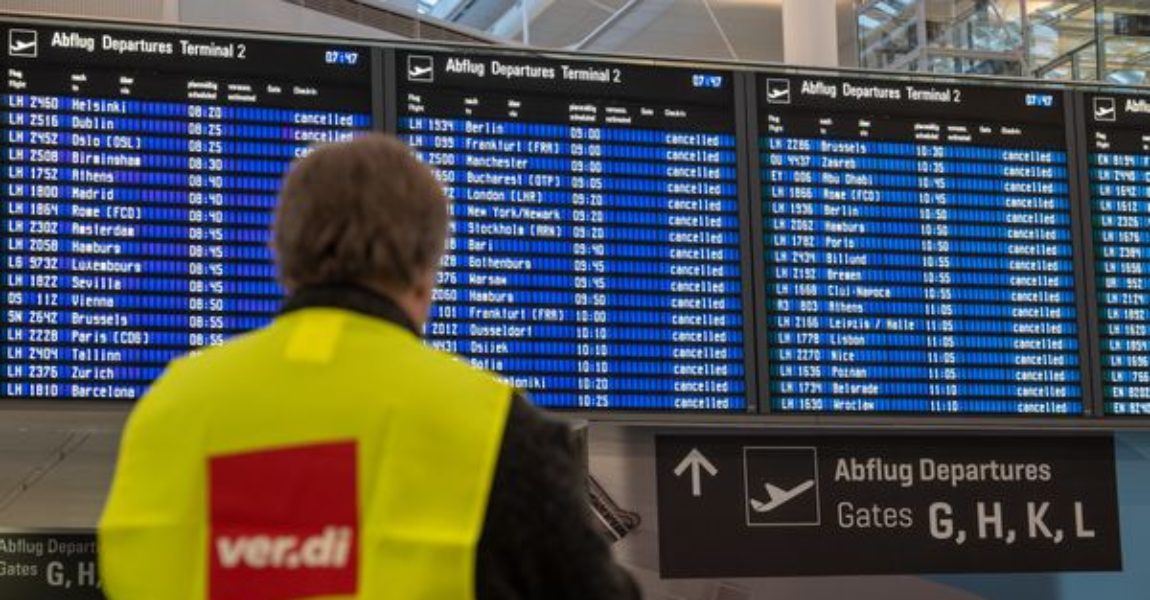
{"x":364,"y":212}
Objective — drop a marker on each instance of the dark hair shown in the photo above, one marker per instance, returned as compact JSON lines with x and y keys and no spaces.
{"x":363,"y":211}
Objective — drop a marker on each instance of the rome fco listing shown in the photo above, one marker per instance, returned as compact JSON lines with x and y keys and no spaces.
{"x":1007,"y":517}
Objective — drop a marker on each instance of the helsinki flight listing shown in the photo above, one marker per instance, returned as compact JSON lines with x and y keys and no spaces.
{"x":625,"y":235}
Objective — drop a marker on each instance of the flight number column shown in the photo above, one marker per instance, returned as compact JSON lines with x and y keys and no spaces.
{"x":1120,"y":186}
{"x":33,"y":186}
{"x":71,"y":245}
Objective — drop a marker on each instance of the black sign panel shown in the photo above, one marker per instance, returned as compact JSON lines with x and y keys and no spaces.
{"x":919,"y":247}
{"x":61,"y":566}
{"x":742,"y":506}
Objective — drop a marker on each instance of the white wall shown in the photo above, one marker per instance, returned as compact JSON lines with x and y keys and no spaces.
{"x":743,"y":29}
{"x":271,"y":15}
{"x":143,"y":10}
{"x":716,"y":29}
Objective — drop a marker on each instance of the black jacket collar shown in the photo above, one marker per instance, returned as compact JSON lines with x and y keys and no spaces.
{"x":350,"y":297}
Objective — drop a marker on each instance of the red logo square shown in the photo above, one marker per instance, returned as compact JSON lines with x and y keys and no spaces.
{"x":284,"y":523}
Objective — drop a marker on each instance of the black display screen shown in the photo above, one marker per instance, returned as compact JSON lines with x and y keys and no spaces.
{"x":596,"y":255}
{"x":1118,"y":148}
{"x":140,"y":170}
{"x":918,"y":247}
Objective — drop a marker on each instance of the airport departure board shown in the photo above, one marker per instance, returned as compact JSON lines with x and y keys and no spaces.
{"x":1118,"y":147}
{"x":625,"y":235}
{"x":918,"y":247}
{"x":140,"y":170}
{"x":595,"y":258}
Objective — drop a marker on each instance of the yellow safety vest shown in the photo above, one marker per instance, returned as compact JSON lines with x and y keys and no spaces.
{"x":329,"y":455}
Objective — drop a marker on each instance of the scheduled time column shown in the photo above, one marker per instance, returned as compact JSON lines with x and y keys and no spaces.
{"x":206,"y":296}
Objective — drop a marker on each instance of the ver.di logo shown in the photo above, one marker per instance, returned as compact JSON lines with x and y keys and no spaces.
{"x":284,"y":523}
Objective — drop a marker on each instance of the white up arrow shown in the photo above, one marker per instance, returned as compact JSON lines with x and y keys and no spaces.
{"x":696,"y":462}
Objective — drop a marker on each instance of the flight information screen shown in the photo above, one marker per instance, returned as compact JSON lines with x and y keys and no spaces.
{"x":1118,"y":143}
{"x":595,"y":258}
{"x":918,"y":243}
{"x":139,"y":174}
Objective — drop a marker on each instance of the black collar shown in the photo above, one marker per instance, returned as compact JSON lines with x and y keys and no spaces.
{"x":350,"y":297}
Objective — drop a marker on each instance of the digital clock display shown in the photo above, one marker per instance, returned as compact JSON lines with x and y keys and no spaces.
{"x":707,"y":81}
{"x":341,"y":57}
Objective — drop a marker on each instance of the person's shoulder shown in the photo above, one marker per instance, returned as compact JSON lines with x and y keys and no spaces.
{"x":526,"y":414}
{"x":194,"y":376}
{"x":454,"y":369}
{"x":207,"y":356}
{"x":175,"y":399}
{"x":532,"y":432}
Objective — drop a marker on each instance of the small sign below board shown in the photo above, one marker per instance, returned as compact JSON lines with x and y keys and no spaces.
{"x":752,"y":506}
{"x":39,"y":565}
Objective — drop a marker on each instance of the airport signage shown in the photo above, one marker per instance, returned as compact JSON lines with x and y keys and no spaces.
{"x":61,"y":566}
{"x":751,"y":506}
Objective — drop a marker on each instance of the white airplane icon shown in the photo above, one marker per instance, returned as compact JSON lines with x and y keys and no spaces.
{"x":415,"y":72}
{"x":779,"y":93}
{"x":22,"y":46}
{"x":1102,"y":112}
{"x":779,"y":496}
